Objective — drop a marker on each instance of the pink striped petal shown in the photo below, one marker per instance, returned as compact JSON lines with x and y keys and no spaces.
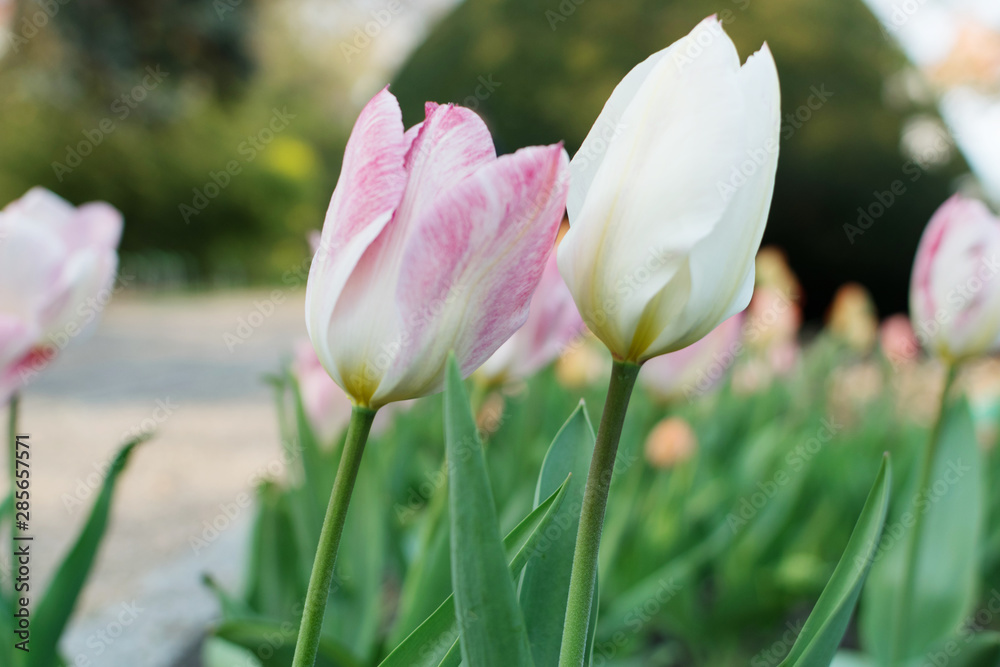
{"x":371,"y":184}
{"x":448,"y":146}
{"x":487,"y":240}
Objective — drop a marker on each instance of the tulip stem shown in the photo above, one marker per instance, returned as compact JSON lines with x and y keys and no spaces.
{"x":321,"y":578}
{"x":595,"y":499}
{"x":909,"y":573}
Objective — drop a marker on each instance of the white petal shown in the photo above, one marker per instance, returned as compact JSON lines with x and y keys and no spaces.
{"x":655,"y":194}
{"x":722,"y":263}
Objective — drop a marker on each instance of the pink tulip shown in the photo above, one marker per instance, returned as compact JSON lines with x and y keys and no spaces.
{"x":899,"y":345}
{"x":326,"y":407}
{"x":553,"y":324}
{"x":431,"y":243}
{"x":955,"y":289}
{"x":57,"y":263}
{"x":697,"y":368}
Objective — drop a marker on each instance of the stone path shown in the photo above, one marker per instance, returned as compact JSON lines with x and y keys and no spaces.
{"x":163,"y":361}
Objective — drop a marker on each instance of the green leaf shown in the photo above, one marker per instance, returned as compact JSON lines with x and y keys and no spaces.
{"x":979,"y":650}
{"x":824,"y":629}
{"x":435,"y":641}
{"x":313,"y":501}
{"x":545,"y":582}
{"x":279,"y":638}
{"x":274,"y":578}
{"x":493,"y":632}
{"x":57,"y":603}
{"x":218,"y":652}
{"x":946,"y":565}
{"x":428,"y":580}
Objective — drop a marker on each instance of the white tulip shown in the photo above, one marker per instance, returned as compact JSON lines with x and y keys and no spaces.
{"x":670,"y":193}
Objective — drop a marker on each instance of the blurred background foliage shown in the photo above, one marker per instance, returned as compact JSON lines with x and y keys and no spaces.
{"x":538,"y":72}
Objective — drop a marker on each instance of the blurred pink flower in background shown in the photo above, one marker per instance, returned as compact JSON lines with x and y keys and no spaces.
{"x":553,"y":324}
{"x":955,"y":289}
{"x":697,"y":368}
{"x":772,"y":328}
{"x":57,"y":266}
{"x":327,"y":407}
{"x":899,"y":344}
{"x":431,"y":244}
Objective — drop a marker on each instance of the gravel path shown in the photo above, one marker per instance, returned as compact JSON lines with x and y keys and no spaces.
{"x":165,"y":361}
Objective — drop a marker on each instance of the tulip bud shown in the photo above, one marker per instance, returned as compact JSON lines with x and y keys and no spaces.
{"x":57,"y":264}
{"x":431,"y":243}
{"x":955,"y":289}
{"x":553,"y":325}
{"x":670,"y":193}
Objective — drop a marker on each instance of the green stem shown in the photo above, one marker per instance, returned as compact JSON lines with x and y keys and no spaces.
{"x":913,"y":547}
{"x":329,"y":538}
{"x":595,"y":499}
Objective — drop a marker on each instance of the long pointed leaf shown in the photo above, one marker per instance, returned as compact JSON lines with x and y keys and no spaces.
{"x":60,"y":598}
{"x":946,"y":558}
{"x":824,"y":629}
{"x":435,"y":641}
{"x":492,"y":626}
{"x":545,"y":583}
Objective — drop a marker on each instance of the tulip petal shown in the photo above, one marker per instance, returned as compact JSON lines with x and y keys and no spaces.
{"x":487,"y":239}
{"x":655,"y":194}
{"x":954,"y":301}
{"x":32,"y":261}
{"x":722,"y":263}
{"x":371,"y":184}
{"x":449,"y":145}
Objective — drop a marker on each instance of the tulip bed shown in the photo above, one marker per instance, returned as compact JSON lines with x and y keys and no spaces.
{"x":715,"y":557}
